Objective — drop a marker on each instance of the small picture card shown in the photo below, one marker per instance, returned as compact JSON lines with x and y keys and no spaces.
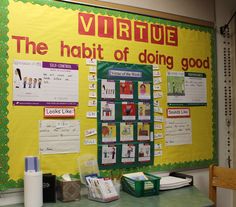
{"x":108,"y":89}
{"x":156,"y":73}
{"x":157,"y":94}
{"x":158,"y":126}
{"x":92,"y":103}
{"x":108,"y":132}
{"x":158,"y":110}
{"x":144,"y":152}
{"x":126,"y":89}
{"x":128,"y":111}
{"x":92,"y":86}
{"x":108,"y":154}
{"x":92,"y":69}
{"x":157,"y":146}
{"x":158,"y":136}
{"x":91,"y":114}
{"x":156,"y":103}
{"x":157,"y":87}
{"x":157,"y":80}
{"x":155,"y":67}
{"x":90,"y":142}
{"x":92,"y":78}
{"x":107,"y":111}
{"x":144,"y":111}
{"x":90,"y":132}
{"x":91,"y":61}
{"x":159,"y":118}
{"x":158,"y":153}
{"x":126,"y":131}
{"x":144,"y":92}
{"x":128,"y":153}
{"x":143,"y":131}
{"x":92,"y":94}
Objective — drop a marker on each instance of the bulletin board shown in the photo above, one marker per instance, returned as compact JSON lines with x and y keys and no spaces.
{"x":64,"y":50}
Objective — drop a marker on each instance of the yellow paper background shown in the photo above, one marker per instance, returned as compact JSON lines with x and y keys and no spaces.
{"x":52,"y":25}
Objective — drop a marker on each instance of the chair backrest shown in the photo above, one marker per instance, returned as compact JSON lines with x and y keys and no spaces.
{"x":221,"y":177}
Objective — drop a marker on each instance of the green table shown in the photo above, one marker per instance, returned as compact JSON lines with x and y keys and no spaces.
{"x":183,"y":197}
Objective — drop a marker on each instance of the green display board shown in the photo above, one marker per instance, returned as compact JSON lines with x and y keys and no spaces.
{"x":125,"y":115}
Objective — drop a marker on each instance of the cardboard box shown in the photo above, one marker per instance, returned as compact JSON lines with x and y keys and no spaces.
{"x":68,"y":190}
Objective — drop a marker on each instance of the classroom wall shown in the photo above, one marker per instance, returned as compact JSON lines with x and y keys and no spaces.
{"x":201,"y":9}
{"x":224,"y":10}
{"x":205,"y":10}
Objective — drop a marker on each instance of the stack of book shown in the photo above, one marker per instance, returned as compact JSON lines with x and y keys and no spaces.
{"x":101,"y":189}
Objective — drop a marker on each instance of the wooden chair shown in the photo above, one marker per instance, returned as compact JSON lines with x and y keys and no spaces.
{"x":221,"y":177}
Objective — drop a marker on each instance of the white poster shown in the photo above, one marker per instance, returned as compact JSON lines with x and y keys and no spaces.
{"x":178,"y":131}
{"x":128,"y":153}
{"x":59,"y":136}
{"x":144,"y":152}
{"x":185,"y":88}
{"x":108,"y":89}
{"x":108,"y":154}
{"x":107,"y":111}
{"x":38,"y":83}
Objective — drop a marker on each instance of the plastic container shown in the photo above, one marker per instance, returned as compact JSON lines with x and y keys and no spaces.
{"x":141,"y":188}
{"x":87,"y":166}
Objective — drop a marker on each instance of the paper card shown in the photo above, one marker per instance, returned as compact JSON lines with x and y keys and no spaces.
{"x":91,"y":114}
{"x":108,"y":89}
{"x":128,"y":111}
{"x":92,"y":94}
{"x":92,"y":78}
{"x":144,"y":111}
{"x":144,"y":90}
{"x":92,"y":86}
{"x":59,"y":112}
{"x":159,"y":118}
{"x":156,"y":73}
{"x":128,"y":153}
{"x":155,"y":67}
{"x":151,"y":136}
{"x":126,"y":89}
{"x":158,"y":136}
{"x":92,"y":103}
{"x":144,"y":152}
{"x":158,"y":110}
{"x":107,"y":111}
{"x":108,"y":132}
{"x":157,"y":80}
{"x":90,"y":142}
{"x":90,"y":132}
{"x":157,"y":87}
{"x":126,"y":131}
{"x":91,"y":61}
{"x":143,"y":131}
{"x":92,"y":69}
{"x":157,"y":146}
{"x":156,"y":103}
{"x":109,"y":154}
{"x":178,"y":112}
{"x":158,"y":153}
{"x":157,"y":94}
{"x":158,"y":126}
